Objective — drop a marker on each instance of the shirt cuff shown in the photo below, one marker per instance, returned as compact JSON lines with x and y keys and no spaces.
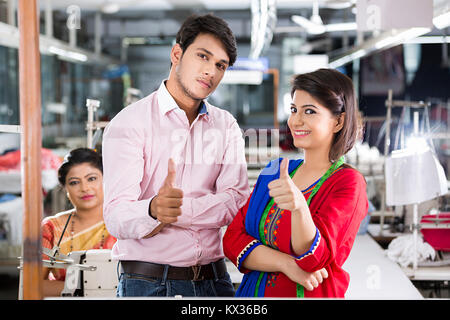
{"x":185,"y":219}
{"x":148,"y":223}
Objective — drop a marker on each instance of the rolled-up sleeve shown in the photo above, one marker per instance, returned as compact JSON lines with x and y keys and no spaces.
{"x":125,"y":214}
{"x":337,"y":221}
{"x":237,"y":243}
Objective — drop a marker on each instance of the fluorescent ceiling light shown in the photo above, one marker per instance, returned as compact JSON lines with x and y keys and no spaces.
{"x":317,"y":27}
{"x":348,"y":58}
{"x":242,"y":77}
{"x":345,"y":26}
{"x":225,"y":5}
{"x":385,"y":40}
{"x":310,"y":27}
{"x":67,"y":54}
{"x":9,"y":37}
{"x":110,"y":8}
{"x":400,"y":37}
{"x":429,"y":39}
{"x":134,"y":41}
{"x":442,"y":21}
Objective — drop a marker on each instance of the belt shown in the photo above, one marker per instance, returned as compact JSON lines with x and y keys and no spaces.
{"x":195,"y":273}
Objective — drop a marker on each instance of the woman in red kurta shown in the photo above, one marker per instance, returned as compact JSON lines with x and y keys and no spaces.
{"x":299,"y":225}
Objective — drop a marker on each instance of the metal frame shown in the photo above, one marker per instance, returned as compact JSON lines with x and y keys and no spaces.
{"x":91,"y":124}
{"x":31,"y":143}
{"x":390,"y":103}
{"x":10,"y":37}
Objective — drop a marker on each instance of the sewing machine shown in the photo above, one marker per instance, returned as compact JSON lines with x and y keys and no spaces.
{"x":89,"y":273}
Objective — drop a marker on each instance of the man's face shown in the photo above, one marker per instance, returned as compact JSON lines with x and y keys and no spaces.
{"x":201,"y":66}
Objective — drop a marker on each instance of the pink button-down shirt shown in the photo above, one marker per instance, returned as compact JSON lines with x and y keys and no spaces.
{"x":210,"y":169}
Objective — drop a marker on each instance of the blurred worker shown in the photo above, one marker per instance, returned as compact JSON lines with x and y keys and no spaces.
{"x":81,"y":175}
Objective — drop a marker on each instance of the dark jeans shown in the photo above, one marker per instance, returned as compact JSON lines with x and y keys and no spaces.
{"x":138,"y":285}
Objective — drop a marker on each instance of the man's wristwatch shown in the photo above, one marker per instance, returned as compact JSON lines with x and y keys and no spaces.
{"x":150,"y":209}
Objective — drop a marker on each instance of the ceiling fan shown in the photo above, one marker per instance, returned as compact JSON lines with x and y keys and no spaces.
{"x":314,"y":25}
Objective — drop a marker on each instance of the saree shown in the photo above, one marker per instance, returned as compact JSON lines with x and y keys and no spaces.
{"x":254,"y":283}
{"x":94,"y":237}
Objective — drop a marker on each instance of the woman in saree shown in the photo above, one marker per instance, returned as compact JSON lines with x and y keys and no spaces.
{"x":299,"y":224}
{"x":83,"y":227}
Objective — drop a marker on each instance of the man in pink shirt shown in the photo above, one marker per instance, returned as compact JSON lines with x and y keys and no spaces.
{"x":175,"y":173}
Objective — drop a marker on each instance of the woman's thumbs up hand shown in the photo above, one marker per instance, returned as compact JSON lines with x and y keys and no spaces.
{"x":284,"y":192}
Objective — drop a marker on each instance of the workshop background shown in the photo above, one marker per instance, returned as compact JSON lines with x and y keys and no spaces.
{"x":98,"y":56}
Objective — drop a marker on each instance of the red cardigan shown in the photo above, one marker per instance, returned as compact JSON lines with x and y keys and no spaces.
{"x":337,"y":211}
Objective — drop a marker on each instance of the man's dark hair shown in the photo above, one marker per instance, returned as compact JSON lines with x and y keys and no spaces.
{"x":210,"y":24}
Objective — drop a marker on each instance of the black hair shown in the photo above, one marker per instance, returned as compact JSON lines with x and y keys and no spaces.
{"x":210,"y":24}
{"x":79,"y":156}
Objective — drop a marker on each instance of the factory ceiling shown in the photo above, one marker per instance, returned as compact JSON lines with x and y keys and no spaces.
{"x":162,"y":17}
{"x":158,"y":20}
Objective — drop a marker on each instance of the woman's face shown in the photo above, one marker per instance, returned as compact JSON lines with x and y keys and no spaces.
{"x":312,"y":125}
{"x":84,"y":186}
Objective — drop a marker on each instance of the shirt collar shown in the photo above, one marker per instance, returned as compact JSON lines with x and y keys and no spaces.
{"x":167,"y":103}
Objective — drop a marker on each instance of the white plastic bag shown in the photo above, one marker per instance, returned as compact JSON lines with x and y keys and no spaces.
{"x":413,"y":176}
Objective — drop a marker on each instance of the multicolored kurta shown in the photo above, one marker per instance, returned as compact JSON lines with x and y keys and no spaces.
{"x":337,"y":210}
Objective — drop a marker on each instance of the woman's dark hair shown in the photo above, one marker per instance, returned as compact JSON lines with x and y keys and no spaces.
{"x":79,"y":156}
{"x":334,"y":91}
{"x":210,"y":24}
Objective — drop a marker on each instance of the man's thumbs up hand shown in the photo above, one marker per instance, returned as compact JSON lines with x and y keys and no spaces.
{"x":166,"y":205}
{"x":171,"y":174}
